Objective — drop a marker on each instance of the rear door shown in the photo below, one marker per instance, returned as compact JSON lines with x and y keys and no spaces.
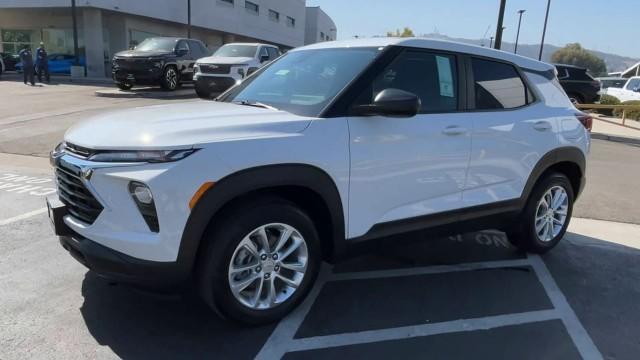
{"x":403,"y":168}
{"x":185,"y":62}
{"x":511,"y":132}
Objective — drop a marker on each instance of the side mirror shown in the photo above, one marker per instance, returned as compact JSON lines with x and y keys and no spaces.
{"x":264,"y":58}
{"x":182,"y":52}
{"x":391,"y":102}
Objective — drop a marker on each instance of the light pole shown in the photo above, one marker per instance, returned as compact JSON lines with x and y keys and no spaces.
{"x":189,"y":19}
{"x":544,"y":30}
{"x":76,"y":52}
{"x":500,"y":28}
{"x":515,"y":51}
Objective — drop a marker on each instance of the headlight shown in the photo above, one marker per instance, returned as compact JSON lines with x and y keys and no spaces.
{"x":196,"y":68}
{"x":241,"y":72}
{"x":57,"y":152}
{"x":151,"y":156}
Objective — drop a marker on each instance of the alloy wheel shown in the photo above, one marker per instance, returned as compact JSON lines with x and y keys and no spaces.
{"x":551,"y":213}
{"x":172,"y":78}
{"x":268,"y":266}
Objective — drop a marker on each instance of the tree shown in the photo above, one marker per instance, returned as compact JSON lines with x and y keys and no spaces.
{"x":407,"y":32}
{"x":575,"y":54}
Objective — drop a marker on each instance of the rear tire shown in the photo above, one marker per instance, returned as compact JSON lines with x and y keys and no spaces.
{"x":124,"y":86}
{"x":235,"y":256}
{"x":546,"y":216}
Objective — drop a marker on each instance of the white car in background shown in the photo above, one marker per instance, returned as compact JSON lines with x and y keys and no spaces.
{"x":630,"y":90}
{"x":230,"y":64}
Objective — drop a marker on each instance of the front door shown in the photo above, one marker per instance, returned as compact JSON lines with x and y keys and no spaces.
{"x":403,"y":168}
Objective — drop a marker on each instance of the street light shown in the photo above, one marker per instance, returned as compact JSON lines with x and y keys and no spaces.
{"x":491,"y":42}
{"x":74,"y":19}
{"x":500,"y":28}
{"x":544,"y":30}
{"x":515,"y":51}
{"x":189,"y":19}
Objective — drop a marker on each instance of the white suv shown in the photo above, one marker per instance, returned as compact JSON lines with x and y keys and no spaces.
{"x":229,"y":65}
{"x":330,"y":147}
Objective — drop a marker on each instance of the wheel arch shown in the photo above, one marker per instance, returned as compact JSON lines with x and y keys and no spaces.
{"x":570,"y":161}
{"x":307,"y":186}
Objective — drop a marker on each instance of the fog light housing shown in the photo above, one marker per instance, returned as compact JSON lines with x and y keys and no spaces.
{"x":143,"y":198}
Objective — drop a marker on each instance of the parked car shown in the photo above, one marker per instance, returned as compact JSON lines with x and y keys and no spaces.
{"x":58,"y":63}
{"x":230,"y":64}
{"x":9,"y":60}
{"x":330,"y":147}
{"x":611,"y":82}
{"x":164,"y":61}
{"x":630,"y":90}
{"x":581,"y":87}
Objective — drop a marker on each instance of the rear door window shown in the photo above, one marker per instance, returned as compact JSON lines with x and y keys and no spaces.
{"x":498,"y":85}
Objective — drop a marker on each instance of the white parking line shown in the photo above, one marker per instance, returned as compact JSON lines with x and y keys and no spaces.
{"x":282,"y":339}
{"x":579,"y":335}
{"x":406,"y":332}
{"x":22,"y":217}
{"x":438,"y":269}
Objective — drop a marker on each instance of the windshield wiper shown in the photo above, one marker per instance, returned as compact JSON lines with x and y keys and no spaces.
{"x":254,"y":104}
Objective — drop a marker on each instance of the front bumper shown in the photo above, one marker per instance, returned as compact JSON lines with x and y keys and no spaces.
{"x":112,"y":264}
{"x":151,"y":76}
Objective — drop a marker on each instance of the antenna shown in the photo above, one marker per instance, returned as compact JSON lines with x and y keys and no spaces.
{"x":484,"y":37}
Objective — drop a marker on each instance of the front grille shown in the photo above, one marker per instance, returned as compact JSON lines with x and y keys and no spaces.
{"x":132,"y":64}
{"x":214,"y":69}
{"x":81,"y":204}
{"x":78,"y":151}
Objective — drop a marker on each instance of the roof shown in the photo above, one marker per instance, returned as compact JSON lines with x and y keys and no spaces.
{"x":631,"y":69}
{"x":424,"y":43}
{"x":571,"y":66}
{"x":250,"y":44}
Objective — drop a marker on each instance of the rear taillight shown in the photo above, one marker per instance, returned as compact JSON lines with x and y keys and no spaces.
{"x":585,"y":119}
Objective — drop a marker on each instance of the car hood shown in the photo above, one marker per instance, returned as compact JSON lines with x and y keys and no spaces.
{"x":225,"y":60}
{"x":138,"y":54}
{"x":182,"y":125}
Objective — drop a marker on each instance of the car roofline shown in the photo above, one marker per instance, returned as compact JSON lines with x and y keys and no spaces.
{"x":434,"y":44}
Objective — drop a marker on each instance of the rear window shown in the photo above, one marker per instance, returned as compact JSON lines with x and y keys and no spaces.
{"x":579,"y":74}
{"x":498,"y":86}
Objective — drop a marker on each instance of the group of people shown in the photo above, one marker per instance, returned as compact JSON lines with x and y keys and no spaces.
{"x":31,"y":66}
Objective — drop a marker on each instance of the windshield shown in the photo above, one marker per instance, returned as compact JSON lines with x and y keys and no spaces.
{"x":304,"y":82}
{"x":237,"y":51}
{"x":157,"y":44}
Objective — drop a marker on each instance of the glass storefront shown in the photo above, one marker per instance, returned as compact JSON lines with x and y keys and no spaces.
{"x":58,"y":41}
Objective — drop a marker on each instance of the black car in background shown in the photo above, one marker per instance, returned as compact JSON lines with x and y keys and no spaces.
{"x":10,"y":61}
{"x":164,"y":61}
{"x":581,"y":87}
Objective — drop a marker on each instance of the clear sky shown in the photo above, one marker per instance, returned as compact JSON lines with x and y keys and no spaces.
{"x":606,"y":25}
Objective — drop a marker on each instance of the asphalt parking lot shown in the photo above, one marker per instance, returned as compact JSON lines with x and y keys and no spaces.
{"x":467,"y":296}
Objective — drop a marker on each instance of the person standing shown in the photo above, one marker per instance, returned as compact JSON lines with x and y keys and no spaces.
{"x":42,"y":63}
{"x":27,"y":65}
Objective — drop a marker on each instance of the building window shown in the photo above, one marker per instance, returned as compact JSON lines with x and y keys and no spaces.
{"x":227,"y":2}
{"x":252,"y":7}
{"x":274,"y":15}
{"x":291,"y":21}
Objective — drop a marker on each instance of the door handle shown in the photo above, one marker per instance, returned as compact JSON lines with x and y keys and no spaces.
{"x":454,"y":130}
{"x":542,"y":126}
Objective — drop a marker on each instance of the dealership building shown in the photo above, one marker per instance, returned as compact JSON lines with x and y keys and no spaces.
{"x":108,"y":26}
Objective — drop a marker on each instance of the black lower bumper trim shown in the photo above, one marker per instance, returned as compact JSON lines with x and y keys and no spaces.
{"x":120,"y":267}
{"x":214,"y":84}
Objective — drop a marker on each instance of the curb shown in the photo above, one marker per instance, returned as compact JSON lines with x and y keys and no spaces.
{"x":152,"y":94}
{"x":616,"y":138}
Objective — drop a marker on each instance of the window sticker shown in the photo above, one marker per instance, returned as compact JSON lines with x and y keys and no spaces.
{"x":445,"y":76}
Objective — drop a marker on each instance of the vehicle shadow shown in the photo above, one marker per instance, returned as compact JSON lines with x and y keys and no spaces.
{"x":137,"y":325}
{"x":598,"y":278}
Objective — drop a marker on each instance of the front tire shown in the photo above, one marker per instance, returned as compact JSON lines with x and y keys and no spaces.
{"x":170,"y":79}
{"x":546,"y":216}
{"x":260,"y":261}
{"x":203,"y":94}
{"x":124,"y":85}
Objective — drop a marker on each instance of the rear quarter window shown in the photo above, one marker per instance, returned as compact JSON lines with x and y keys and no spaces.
{"x":498,"y":86}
